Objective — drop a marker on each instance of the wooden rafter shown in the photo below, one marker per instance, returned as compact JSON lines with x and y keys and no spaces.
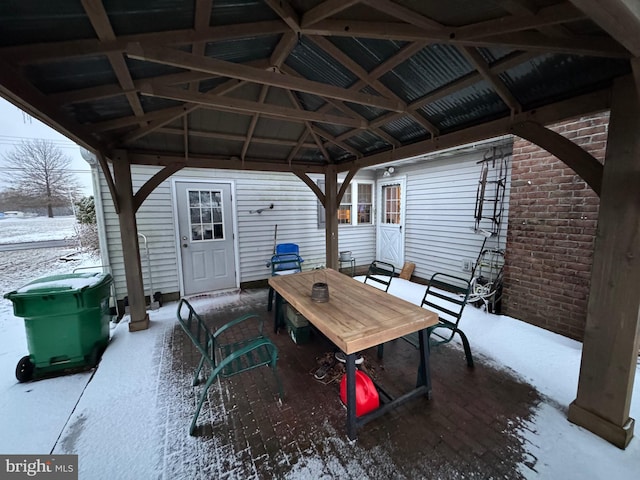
{"x":52,"y":51}
{"x":522,"y":40}
{"x":102,"y":26}
{"x":491,"y":78}
{"x":176,"y":58}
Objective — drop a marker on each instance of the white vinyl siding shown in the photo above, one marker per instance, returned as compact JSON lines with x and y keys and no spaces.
{"x":440,"y":207}
{"x":440,"y":204}
{"x":294,"y":212}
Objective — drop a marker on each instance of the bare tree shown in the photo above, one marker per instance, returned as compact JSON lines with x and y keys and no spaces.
{"x":40,"y":171}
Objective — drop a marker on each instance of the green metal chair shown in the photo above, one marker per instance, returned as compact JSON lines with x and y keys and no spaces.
{"x":447,"y":295}
{"x":226,"y":359}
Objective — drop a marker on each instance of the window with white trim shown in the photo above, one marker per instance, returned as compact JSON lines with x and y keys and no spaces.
{"x":356,"y":206}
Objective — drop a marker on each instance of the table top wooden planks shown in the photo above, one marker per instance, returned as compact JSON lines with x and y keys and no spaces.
{"x":357,"y":316}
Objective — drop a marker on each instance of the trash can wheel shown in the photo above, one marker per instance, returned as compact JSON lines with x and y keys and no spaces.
{"x":24,"y":369}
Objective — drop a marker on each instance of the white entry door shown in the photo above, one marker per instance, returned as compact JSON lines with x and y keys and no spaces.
{"x":390,"y":231}
{"x":206,"y":243}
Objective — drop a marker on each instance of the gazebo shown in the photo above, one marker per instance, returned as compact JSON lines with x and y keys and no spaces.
{"x":328,"y":87}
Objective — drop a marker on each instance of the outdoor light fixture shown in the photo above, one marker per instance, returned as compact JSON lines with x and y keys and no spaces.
{"x":388,"y":171}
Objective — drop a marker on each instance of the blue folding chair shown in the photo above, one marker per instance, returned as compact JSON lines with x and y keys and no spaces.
{"x":286,"y":260}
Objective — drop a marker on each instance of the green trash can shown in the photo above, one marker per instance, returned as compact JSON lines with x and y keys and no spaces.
{"x":66,"y":318}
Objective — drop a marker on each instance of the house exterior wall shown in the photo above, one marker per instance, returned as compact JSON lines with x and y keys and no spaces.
{"x":552,"y":225}
{"x":440,"y":200}
{"x":295,"y":213}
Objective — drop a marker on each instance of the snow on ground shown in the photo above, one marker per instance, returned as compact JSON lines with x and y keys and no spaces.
{"x":116,"y":402}
{"x":34,"y":229}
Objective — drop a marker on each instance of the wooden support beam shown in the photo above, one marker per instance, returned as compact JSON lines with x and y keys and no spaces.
{"x":619,"y":18}
{"x":151,"y":184}
{"x":574,"y":156}
{"x":612,"y":332}
{"x":331,"y":215}
{"x":130,"y":246}
{"x":177,"y":58}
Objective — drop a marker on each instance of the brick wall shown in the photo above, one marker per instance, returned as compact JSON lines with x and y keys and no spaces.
{"x":552,"y":225}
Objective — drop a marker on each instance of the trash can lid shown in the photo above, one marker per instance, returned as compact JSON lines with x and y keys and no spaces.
{"x":62,"y":283}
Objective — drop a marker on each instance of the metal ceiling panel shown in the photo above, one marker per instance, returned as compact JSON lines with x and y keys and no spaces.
{"x":144,"y":16}
{"x":428,"y":70}
{"x":315,"y":64}
{"x":243,"y":50}
{"x":367,"y":142}
{"x":101,"y":110}
{"x":558,"y":76}
{"x":227,"y":12}
{"x":367,"y":52}
{"x":76,"y":74}
{"x":34,"y":21}
{"x":466,"y":107}
{"x":405,"y":129}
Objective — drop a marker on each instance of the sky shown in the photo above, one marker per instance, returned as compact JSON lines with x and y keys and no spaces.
{"x":77,"y":413}
{"x":17,"y":126}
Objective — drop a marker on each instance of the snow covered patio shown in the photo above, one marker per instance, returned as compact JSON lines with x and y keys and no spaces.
{"x":504,"y":419}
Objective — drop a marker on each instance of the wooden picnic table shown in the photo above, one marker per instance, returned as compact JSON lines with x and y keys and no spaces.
{"x":356,"y":317}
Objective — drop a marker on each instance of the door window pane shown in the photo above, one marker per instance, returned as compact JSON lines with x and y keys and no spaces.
{"x":205,"y":215}
{"x":391,"y":204}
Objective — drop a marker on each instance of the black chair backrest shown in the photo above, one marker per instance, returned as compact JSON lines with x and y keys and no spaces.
{"x":447,"y":295}
{"x":380,"y":272}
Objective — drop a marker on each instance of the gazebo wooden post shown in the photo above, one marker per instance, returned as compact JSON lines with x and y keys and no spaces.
{"x":610,"y":347}
{"x":129,"y":238}
{"x":331,"y":215}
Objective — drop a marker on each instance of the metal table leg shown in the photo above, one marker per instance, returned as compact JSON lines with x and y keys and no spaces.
{"x":351,"y":396}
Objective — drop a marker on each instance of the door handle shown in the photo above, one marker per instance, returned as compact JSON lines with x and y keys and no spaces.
{"x":184,"y":245}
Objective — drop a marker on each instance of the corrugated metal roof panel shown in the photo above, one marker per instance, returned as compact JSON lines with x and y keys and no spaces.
{"x":161,"y":141}
{"x":334,"y":130}
{"x":284,"y":130}
{"x":217,"y":146}
{"x":100,"y":110}
{"x":370,"y":113}
{"x":34,"y":21}
{"x":492,"y":55}
{"x":71,"y":74}
{"x":228,"y":12}
{"x":405,"y":129}
{"x":205,"y":120}
{"x":465,"y":107}
{"x":367,"y":142}
{"x":242,"y":50}
{"x":429,"y":69}
{"x":557,"y":76}
{"x":143,"y":16}
{"x":367,"y":52}
{"x":140,"y":69}
{"x":309,"y":102}
{"x":315,"y":64}
{"x":275,"y":152}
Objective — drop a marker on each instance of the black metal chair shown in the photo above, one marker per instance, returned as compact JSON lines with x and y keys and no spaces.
{"x":447,"y":295}
{"x":381,"y":273}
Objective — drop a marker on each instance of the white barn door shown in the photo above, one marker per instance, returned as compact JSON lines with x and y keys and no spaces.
{"x":391,"y":216}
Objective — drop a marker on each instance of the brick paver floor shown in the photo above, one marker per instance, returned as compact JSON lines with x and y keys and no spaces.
{"x":469,"y":429}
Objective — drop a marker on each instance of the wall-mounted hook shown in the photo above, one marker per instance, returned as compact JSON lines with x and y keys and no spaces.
{"x":260,"y":210}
